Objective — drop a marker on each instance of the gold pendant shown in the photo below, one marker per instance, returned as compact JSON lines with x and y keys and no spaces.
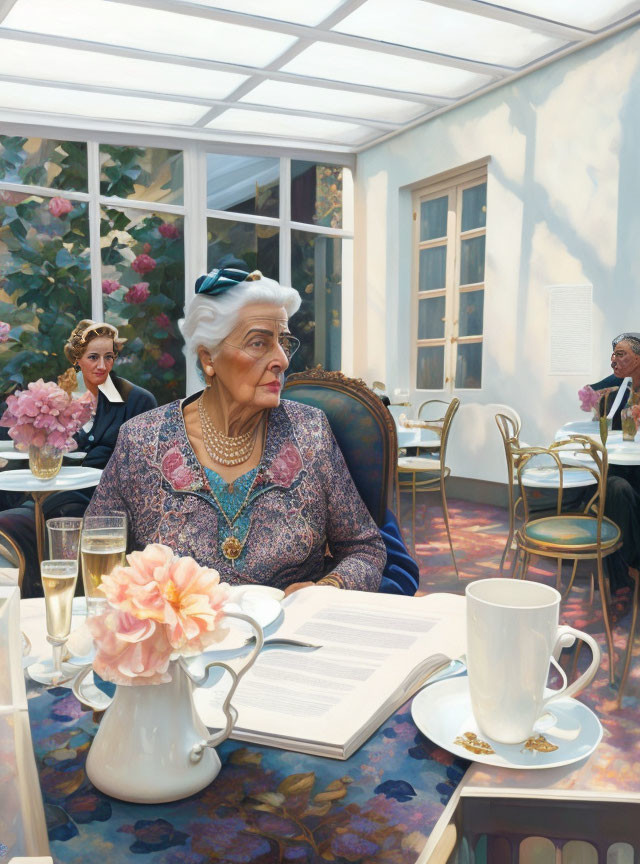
{"x":231,"y":548}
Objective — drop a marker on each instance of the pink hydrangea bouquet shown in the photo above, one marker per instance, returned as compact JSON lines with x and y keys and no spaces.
{"x":44,"y":415}
{"x":594,"y":400}
{"x":162,"y":607}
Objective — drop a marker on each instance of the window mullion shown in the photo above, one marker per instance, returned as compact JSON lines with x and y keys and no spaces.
{"x":284,"y":268}
{"x":95,"y":255}
{"x":450,"y":306}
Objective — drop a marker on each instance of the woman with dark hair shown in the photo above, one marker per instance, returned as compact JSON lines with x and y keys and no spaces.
{"x":233,"y":476}
{"x":92,"y":349}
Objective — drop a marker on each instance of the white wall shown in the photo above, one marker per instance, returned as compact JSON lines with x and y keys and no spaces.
{"x":563,"y":202}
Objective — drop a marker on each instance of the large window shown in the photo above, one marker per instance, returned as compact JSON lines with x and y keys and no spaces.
{"x":292,"y":220}
{"x":102,"y":231}
{"x":450,"y":226}
{"x":68,"y":252}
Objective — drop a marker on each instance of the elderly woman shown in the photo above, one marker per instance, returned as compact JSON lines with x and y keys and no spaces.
{"x":622,"y":504}
{"x":233,"y":476}
{"x":92,"y":349}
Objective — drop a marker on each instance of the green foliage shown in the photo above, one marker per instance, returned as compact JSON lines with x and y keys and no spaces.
{"x":56,"y":164}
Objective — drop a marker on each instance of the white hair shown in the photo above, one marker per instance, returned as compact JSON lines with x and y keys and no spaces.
{"x":210,"y":319}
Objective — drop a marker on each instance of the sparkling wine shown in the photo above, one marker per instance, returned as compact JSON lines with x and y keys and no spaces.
{"x":101,"y":552}
{"x":59,"y":583}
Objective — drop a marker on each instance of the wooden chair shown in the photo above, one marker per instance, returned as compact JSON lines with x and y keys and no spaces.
{"x":433,"y":471}
{"x":10,"y":551}
{"x":584,"y":536}
{"x":509,"y":427}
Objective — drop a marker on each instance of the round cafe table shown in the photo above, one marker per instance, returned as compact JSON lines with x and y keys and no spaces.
{"x":69,"y":477}
{"x":619,"y":452}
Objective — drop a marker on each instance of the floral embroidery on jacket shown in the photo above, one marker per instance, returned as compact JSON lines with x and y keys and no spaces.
{"x":175,"y":469}
{"x":286,"y":466}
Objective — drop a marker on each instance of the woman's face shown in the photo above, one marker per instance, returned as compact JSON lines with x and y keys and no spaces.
{"x":251,"y":362}
{"x":97,"y":361}
{"x":624,"y":361}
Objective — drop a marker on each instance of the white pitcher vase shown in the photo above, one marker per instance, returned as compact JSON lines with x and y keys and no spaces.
{"x":151,"y":745}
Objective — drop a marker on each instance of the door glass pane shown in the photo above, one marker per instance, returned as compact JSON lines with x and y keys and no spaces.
{"x":143,"y":294}
{"x":45,"y":284}
{"x":316,"y":193}
{"x":316,"y":272}
{"x":620,"y":853}
{"x":471,"y":309}
{"x":579,"y":852}
{"x":472,"y":260}
{"x":243,"y":184}
{"x":469,"y":365}
{"x":42,"y":162}
{"x":430,"y":373}
{"x":537,"y":850}
{"x":431,"y":318}
{"x":433,"y":218}
{"x":151,"y":174}
{"x":433,"y":264}
{"x":474,"y":207}
{"x":257,"y":246}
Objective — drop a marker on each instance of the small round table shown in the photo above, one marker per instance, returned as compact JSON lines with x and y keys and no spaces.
{"x":69,"y":477}
{"x":619,"y":452}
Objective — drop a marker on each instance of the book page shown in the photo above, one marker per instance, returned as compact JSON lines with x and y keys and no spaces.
{"x":375,"y":650}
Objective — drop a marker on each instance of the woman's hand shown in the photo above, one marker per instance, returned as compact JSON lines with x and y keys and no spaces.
{"x":296,"y":586}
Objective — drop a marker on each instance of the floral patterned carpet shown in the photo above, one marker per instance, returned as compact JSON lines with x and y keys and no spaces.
{"x":479,"y":533}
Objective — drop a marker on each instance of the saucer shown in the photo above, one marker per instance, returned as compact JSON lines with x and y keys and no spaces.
{"x":442,"y":712}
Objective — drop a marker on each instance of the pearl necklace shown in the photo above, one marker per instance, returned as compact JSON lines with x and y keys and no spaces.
{"x":224,"y":449}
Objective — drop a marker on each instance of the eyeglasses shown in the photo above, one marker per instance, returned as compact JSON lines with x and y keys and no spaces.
{"x":261,"y":343}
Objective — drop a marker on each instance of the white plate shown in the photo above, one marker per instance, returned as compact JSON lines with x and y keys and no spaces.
{"x":254,"y":591}
{"x":442,"y":712}
{"x":75,"y":454}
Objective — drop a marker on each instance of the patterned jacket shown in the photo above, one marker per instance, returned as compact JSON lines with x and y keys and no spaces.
{"x":303,"y":501}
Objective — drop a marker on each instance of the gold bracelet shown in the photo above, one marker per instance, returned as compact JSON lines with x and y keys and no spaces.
{"x":332,"y":579}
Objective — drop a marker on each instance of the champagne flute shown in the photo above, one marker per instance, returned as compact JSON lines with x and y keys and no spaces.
{"x":59,"y":583}
{"x":64,"y":538}
{"x":103,"y":546}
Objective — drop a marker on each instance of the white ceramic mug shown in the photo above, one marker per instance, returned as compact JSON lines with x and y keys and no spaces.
{"x":512,"y":636}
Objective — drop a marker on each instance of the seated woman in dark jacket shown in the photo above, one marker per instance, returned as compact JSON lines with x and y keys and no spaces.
{"x":92,"y":349}
{"x":623,"y":483}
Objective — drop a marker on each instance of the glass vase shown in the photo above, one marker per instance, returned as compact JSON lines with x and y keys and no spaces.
{"x":604,"y":430}
{"x":628,"y":424}
{"x":45,"y":462}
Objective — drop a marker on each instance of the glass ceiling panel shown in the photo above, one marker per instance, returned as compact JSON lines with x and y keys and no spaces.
{"x":284,"y":95}
{"x":56,"y":100}
{"x":297,"y":11}
{"x":430,"y":27}
{"x":589,"y":14}
{"x":237,"y":120}
{"x":87,"y":67}
{"x":358,"y":66}
{"x":149,"y":29}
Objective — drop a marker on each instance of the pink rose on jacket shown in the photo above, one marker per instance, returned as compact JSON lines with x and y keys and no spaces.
{"x":166,"y":361}
{"x":285,"y":466}
{"x":162,"y":321}
{"x":4,"y":331}
{"x":143,"y":264}
{"x":59,"y":207}
{"x":138,"y":293}
{"x":175,"y":469}
{"x":109,"y":286}
{"x":130,"y":650}
{"x":168,"y":231}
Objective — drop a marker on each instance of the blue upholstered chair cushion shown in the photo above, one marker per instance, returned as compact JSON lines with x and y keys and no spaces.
{"x":360,"y":438}
{"x":574,"y":531}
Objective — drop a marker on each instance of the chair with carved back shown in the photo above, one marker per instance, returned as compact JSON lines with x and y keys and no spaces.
{"x":366,"y":434}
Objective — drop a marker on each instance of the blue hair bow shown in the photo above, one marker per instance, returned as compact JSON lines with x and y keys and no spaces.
{"x":219,"y":281}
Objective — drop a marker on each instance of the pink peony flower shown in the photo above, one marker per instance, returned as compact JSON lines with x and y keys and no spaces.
{"x":138,"y":293}
{"x":146,"y":248}
{"x":166,"y":361}
{"x":589,"y":398}
{"x":635,"y":413}
{"x":130,"y":650}
{"x":4,"y":331}
{"x":159,"y":587}
{"x":44,"y":415}
{"x":59,"y":207}
{"x":286,"y":466}
{"x":168,"y":231}
{"x":143,"y":264}
{"x":109,"y":286}
{"x":162,"y":321}
{"x":176,"y":470}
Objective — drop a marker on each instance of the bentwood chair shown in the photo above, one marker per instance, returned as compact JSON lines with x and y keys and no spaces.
{"x":583,"y":536}
{"x":424,"y":474}
{"x":366,"y":434}
{"x":11,"y":555}
{"x":509,"y":426}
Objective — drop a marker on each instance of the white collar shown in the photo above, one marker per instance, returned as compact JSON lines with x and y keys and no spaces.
{"x":108,"y":388}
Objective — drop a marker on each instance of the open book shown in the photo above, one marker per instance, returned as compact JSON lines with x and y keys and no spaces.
{"x":377,"y":650}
